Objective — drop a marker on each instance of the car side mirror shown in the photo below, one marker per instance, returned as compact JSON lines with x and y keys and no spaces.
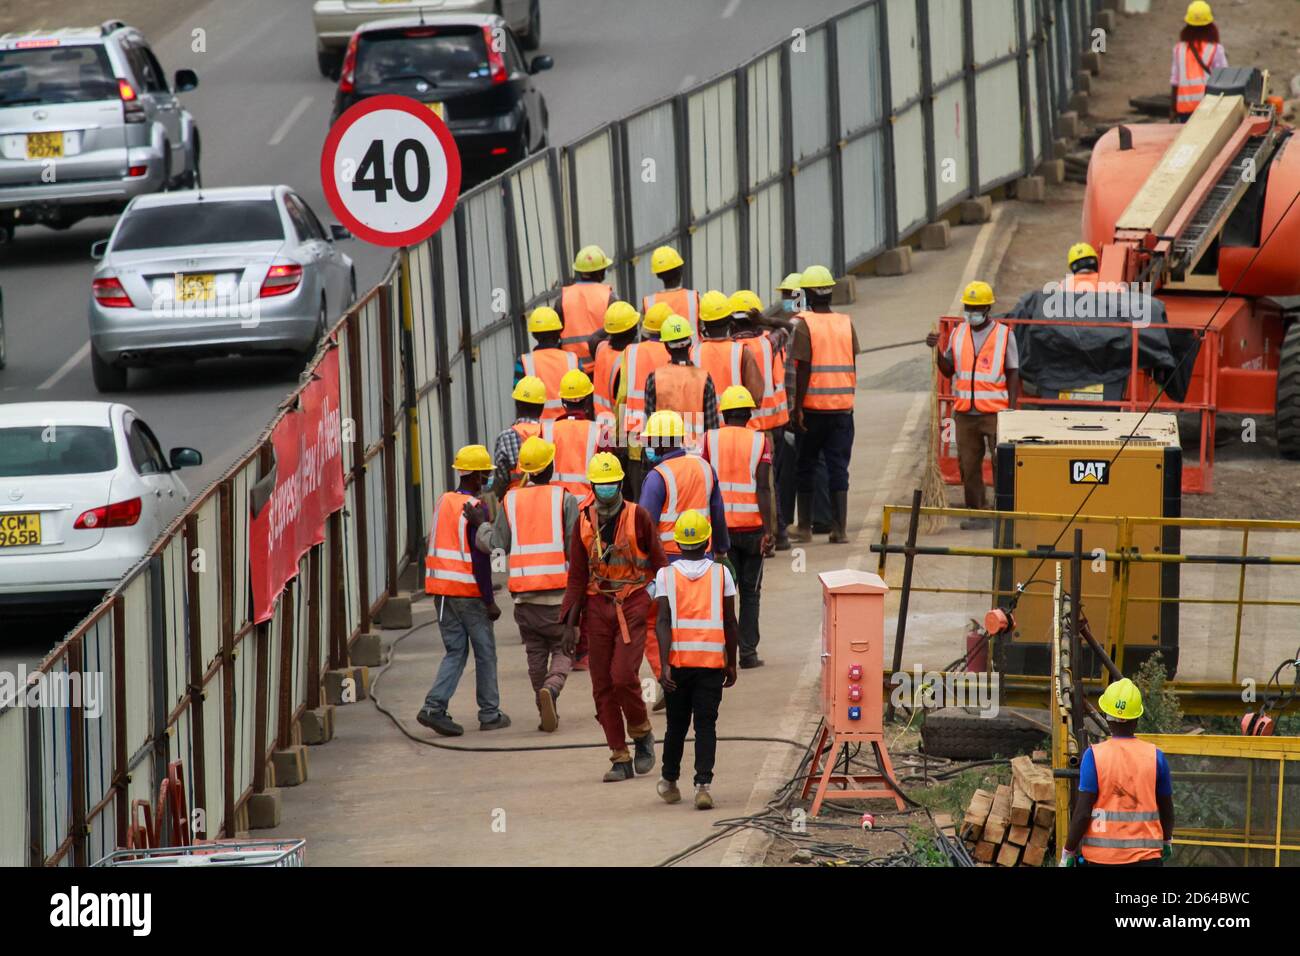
{"x":98,"y":248}
{"x":186,"y":80}
{"x":185,"y":458}
{"x":540,"y":63}
{"x":338,"y":232}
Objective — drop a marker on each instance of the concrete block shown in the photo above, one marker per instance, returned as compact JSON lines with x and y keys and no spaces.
{"x":1079,"y":103}
{"x":1067,"y":125}
{"x":367,"y":649}
{"x":290,"y":766}
{"x":1091,"y":61}
{"x":1031,"y":189}
{"x":977,"y":210}
{"x":1062,"y":148}
{"x":845,"y":292}
{"x":347,"y":685}
{"x":317,"y":726}
{"x":1083,"y":82}
{"x":395,"y":615}
{"x":1106,"y":20}
{"x":936,"y":235}
{"x":264,"y":810}
{"x":1053,"y":172}
{"x":894,"y":262}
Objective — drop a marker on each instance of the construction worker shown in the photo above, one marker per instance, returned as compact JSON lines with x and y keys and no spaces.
{"x":791,"y":289}
{"x":728,"y":363}
{"x":583,"y":303}
{"x":640,"y":360}
{"x":1124,"y":814}
{"x":983,"y":362}
{"x":681,"y":385}
{"x":577,"y":436}
{"x":825,"y":345}
{"x":1082,"y":263}
{"x":530,"y":401}
{"x":785,"y":441}
{"x":612,"y":559}
{"x":741,"y":457}
{"x":621,"y":323}
{"x":534,"y":526}
{"x":547,"y":361}
{"x":460,"y":575}
{"x":696,"y":621}
{"x":1197,"y":54}
{"x":666,"y":263}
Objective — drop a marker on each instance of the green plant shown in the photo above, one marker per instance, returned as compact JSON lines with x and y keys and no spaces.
{"x":953,"y":796}
{"x":1161,"y":712}
{"x":925,"y":848}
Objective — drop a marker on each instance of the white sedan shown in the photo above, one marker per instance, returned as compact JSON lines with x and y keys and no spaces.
{"x":85,"y":489}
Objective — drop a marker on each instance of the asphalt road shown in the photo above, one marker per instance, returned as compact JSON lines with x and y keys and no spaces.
{"x":263,"y":109}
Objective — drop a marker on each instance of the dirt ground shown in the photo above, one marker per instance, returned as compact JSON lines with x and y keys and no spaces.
{"x":1250,"y":480}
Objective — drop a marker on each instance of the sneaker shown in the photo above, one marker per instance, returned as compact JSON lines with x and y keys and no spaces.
{"x":643,"y":760}
{"x":668,"y":792}
{"x":501,"y":722}
{"x":546,"y":707}
{"x":619,"y":771}
{"x":439,"y":723}
{"x":751,"y":663}
{"x":703,"y":799}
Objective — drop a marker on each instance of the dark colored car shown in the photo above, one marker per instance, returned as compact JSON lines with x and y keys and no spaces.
{"x":468,"y":69}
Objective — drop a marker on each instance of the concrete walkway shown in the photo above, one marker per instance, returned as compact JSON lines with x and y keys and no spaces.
{"x":375,"y":797}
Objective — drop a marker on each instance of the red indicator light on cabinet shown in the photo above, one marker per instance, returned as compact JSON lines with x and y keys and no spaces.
{"x":855,"y":672}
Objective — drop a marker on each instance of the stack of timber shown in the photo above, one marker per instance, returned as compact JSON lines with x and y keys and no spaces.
{"x":1016,"y":824}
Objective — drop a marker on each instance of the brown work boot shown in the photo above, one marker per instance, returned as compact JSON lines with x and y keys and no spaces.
{"x":840,"y":507}
{"x":802,"y":533}
{"x":546,"y":707}
{"x":668,"y":792}
{"x":703,"y":799}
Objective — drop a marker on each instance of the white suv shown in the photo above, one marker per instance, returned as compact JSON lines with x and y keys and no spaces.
{"x":88,"y":122}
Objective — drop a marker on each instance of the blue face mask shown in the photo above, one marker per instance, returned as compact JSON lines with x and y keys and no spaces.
{"x":788,"y":305}
{"x":606,"y":492}
{"x":651,"y":455}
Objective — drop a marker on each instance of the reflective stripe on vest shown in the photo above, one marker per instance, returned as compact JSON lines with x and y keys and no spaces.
{"x":772,"y":411}
{"x":1125,"y":825}
{"x":639,"y":362}
{"x":449,"y":566}
{"x":1192,"y":79}
{"x":735,"y":453}
{"x":619,"y":567}
{"x":549,"y":365}
{"x":537,"y":559}
{"x":684,"y":302}
{"x":833,"y":376}
{"x":604,"y":376}
{"x":981,"y":380}
{"x":722,"y":359}
{"x":699,"y":639}
{"x":575,"y":443}
{"x":584,"y":305}
{"x":688,"y":486}
{"x":681,"y":388}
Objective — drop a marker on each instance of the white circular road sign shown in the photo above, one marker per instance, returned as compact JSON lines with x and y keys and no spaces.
{"x":391,"y":170}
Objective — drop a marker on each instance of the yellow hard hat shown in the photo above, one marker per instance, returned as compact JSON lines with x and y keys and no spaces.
{"x":591,"y":259}
{"x":816,"y":277}
{"x":544,"y":319}
{"x":1199,"y":14}
{"x":714,"y":306}
{"x":692,"y":528}
{"x":604,"y":469}
{"x":621,"y":316}
{"x":472,"y":458}
{"x":535,"y":454}
{"x":531,"y":390}
{"x":978,"y":293}
{"x":1080,"y":250}
{"x":1121,"y":700}
{"x":746,"y":301}
{"x":575,"y":385}
{"x":674,"y":329}
{"x":791,"y":283}
{"x":665,"y":423}
{"x":665,"y":258}
{"x":736,"y":396}
{"x":655,"y":315}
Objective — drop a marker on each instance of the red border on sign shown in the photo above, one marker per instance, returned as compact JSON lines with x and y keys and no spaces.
{"x":390,"y":101}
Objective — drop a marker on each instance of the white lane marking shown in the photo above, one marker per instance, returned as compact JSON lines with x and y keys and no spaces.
{"x":687,"y":81}
{"x":78,"y":357}
{"x":295,"y":114}
{"x":730,"y":9}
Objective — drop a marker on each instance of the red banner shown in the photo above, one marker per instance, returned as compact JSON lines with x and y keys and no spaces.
{"x":308,"y":487}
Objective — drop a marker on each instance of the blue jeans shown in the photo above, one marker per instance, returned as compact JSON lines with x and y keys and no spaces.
{"x":464,"y":622}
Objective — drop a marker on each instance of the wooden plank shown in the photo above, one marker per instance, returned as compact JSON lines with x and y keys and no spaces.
{"x":1009,"y":855}
{"x":1044,"y":815}
{"x":1036,"y":781}
{"x":1018,"y":835}
{"x":1022,"y":807}
{"x":985,"y":851}
{"x":1041,"y":836}
{"x":995,"y":827}
{"x":981,"y":802}
{"x":1033,"y":855}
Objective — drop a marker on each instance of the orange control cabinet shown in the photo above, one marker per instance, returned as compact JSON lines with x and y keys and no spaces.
{"x":853,"y":660}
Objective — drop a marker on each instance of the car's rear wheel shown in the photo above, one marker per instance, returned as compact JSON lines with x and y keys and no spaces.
{"x":193,"y":178}
{"x":533,"y":38}
{"x":108,"y":377}
{"x":330,"y":64}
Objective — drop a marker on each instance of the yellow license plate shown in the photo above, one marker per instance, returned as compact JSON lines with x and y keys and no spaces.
{"x":196,"y":288}
{"x":44,"y":145}
{"x":1087,"y":393}
{"x":438,"y":110}
{"x":17,"y":530}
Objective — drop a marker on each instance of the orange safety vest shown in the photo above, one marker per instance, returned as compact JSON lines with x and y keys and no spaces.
{"x":448,"y":565}
{"x":525,"y":431}
{"x":1192,"y":79}
{"x":605,"y":375}
{"x":549,"y":365}
{"x":723,"y":359}
{"x":773,"y":410}
{"x":575,"y":442}
{"x":681,"y":388}
{"x":584,"y":305}
{"x":683,"y":302}
{"x":834,"y":378}
{"x":699,"y":639}
{"x":538,"y":561}
{"x":980,"y":381}
{"x":688,"y":486}
{"x":618,"y":569}
{"x":639,"y":361}
{"x":735,"y":453}
{"x":1125,"y":825}
{"x":1080,"y":282}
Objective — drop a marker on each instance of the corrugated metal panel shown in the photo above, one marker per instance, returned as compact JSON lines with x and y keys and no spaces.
{"x":997,"y":91}
{"x":214,"y":762}
{"x":814,"y":214}
{"x":766,"y":240}
{"x":711,"y":115}
{"x":951,"y":153}
{"x":651,"y":139}
{"x":139,"y":685}
{"x":13,"y":787}
{"x":995,"y":29}
{"x":377,"y":527}
{"x":904,"y":50}
{"x":809,"y":115}
{"x":210,"y":582}
{"x":239,"y":522}
{"x":946,"y":38}
{"x":96,"y":690}
{"x":764,"y":117}
{"x":424,"y":348}
{"x":56,"y":756}
{"x":1035,"y":130}
{"x":351,"y":615}
{"x":432,"y":457}
{"x":858,"y":50}
{"x":865,"y":203}
{"x":715,"y":253}
{"x":593,"y":164}
{"x":486,"y":259}
{"x":909,"y":168}
{"x":533,"y":207}
{"x":175,"y":634}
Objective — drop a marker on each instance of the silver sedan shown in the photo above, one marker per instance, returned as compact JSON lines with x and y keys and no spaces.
{"x":214,"y":272}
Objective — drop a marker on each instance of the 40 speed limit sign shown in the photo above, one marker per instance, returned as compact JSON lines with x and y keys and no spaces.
{"x":390,"y":170}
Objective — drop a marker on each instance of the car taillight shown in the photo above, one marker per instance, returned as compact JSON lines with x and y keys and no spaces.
{"x":347,"y":75}
{"x":132,"y":108}
{"x":110,"y":294}
{"x":496,"y":62}
{"x":136,"y":172}
{"x":121,"y":514}
{"x":281,"y":278}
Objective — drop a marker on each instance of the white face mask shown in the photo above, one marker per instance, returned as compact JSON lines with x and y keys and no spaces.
{"x":977,"y":318}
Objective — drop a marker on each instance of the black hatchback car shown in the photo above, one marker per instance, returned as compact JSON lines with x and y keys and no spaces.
{"x":468,"y":69}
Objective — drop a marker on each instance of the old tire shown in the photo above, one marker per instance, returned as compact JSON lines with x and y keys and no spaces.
{"x":1286,"y":418}
{"x":965,"y":735}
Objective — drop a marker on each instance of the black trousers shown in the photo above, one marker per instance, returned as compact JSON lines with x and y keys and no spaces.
{"x":828,"y":435}
{"x":785,"y":461}
{"x":746,"y":556}
{"x":698,"y":696}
